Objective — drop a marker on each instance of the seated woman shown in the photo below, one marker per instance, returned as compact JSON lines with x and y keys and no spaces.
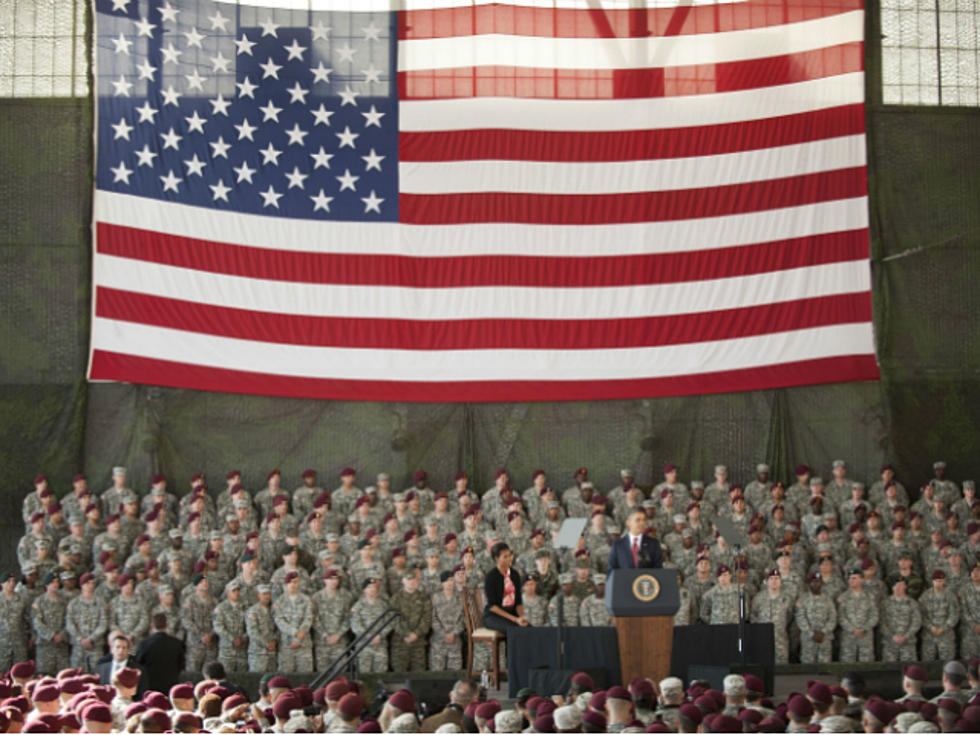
{"x":502,"y":589}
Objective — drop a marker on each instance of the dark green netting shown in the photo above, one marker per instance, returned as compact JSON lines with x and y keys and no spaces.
{"x":924,"y":168}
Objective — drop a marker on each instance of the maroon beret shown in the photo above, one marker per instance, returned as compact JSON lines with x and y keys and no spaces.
{"x":880,"y":709}
{"x":487,"y":710}
{"x":800,"y":706}
{"x":691,"y":712}
{"x":46,"y":693}
{"x":402,"y":700}
{"x":182,"y":691}
{"x":285,"y":703}
{"x":350,"y":705}
{"x":348,"y":472}
{"x":544,"y":723}
{"x":335,"y":690}
{"x":817,"y":691}
{"x":97,"y":712}
{"x":596,"y":719}
{"x":753,"y":683}
{"x":23,"y":669}
{"x":128,"y":677}
{"x":279,"y":682}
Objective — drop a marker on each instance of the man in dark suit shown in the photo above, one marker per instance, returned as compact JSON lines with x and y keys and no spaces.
{"x":461,"y":695}
{"x":162,"y":655}
{"x":636,"y":550}
{"x":119,"y":658}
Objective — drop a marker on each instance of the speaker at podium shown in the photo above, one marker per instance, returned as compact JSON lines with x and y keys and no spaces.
{"x":642,"y":603}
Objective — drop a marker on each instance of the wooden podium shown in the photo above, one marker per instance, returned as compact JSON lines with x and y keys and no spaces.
{"x":642,"y":603}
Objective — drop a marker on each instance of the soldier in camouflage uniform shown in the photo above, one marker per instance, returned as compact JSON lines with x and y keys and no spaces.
{"x":228,"y":620}
{"x":448,"y":626}
{"x":776,"y":607}
{"x":720,"y":603}
{"x":969,"y":615}
{"x":15,"y":622}
{"x":331,"y":619}
{"x":196,"y":611}
{"x":263,"y":639}
{"x":410,"y":637}
{"x":167,"y":606}
{"x":374,"y":656}
{"x":900,"y":623}
{"x":87,"y":623}
{"x":940,"y":614}
{"x":569,"y":602}
{"x":535,"y":605}
{"x":127,"y":612}
{"x":593,"y":609}
{"x":48,"y":618}
{"x":857,"y":615}
{"x":293,"y":613}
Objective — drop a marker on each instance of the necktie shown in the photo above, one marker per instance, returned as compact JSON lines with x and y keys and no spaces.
{"x":636,"y":552}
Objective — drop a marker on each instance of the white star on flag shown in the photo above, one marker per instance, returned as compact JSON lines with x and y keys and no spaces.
{"x":147,"y":113}
{"x":347,"y":180}
{"x":270,"y":154}
{"x":270,"y":112}
{"x":296,"y":178}
{"x":170,"y":182}
{"x":294,"y":50}
{"x":244,"y":172}
{"x":373,"y":160}
{"x":348,"y":96}
{"x":171,"y":139}
{"x":270,"y":69}
{"x":321,"y":73}
{"x":321,"y":158}
{"x":322,"y":115}
{"x":373,"y":117}
{"x":194,"y":166}
{"x":347,"y":137}
{"x":245,"y":130}
{"x":372,"y":203}
{"x":244,"y":45}
{"x":270,"y":197}
{"x":121,"y":173}
{"x":122,"y":129}
{"x":219,"y":149}
{"x":145,"y":156}
{"x":122,"y":44}
{"x":195,"y":123}
{"x":219,"y":105}
{"x":219,"y":191}
{"x":170,"y":95}
{"x":122,"y":87}
{"x":269,"y":28}
{"x":321,"y":201}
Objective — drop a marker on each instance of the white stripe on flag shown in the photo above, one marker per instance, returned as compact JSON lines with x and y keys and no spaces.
{"x":480,"y":113}
{"x":482,"y":302}
{"x":630,"y":53}
{"x":613,"y":177}
{"x":495,"y":364}
{"x":480,"y":239}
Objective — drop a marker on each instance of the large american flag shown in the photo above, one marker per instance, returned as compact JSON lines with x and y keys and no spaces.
{"x":445,"y":201}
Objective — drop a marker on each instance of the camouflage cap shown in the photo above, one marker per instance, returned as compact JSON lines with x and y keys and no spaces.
{"x":566,"y":578}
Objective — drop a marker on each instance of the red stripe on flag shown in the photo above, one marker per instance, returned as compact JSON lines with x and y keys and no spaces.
{"x":613,"y":23}
{"x":481,"y":334}
{"x":671,"y":81}
{"x":630,"y":145}
{"x":620,"y":208}
{"x":130,"y":369}
{"x":482,"y":270}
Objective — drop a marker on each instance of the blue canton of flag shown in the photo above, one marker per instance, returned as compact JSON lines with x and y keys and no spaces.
{"x":265,"y":111}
